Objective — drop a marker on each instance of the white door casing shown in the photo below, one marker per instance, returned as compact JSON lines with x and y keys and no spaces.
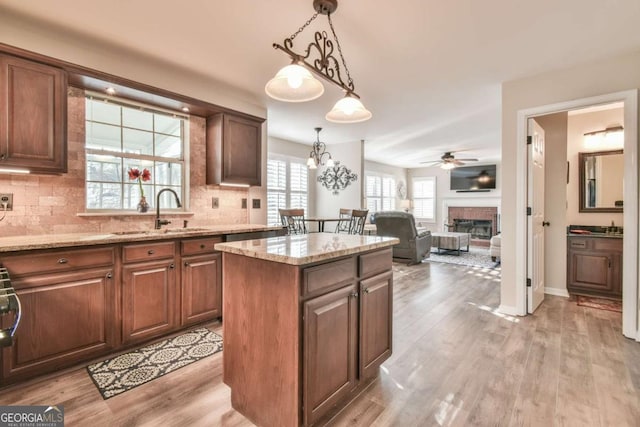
{"x":535,"y":221}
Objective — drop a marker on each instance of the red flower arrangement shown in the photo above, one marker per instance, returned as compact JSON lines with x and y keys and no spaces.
{"x":145,"y":175}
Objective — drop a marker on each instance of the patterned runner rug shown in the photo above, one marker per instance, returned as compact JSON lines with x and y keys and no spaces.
{"x":601,"y":303}
{"x":477,"y":256}
{"x":129,"y":370}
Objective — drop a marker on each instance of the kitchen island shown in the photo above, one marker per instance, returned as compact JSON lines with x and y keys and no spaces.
{"x":307,"y":323}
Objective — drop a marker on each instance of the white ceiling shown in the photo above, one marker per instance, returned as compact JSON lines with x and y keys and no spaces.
{"x":429,"y":70}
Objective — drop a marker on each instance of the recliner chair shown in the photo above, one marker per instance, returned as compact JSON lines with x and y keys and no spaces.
{"x":413,"y":246}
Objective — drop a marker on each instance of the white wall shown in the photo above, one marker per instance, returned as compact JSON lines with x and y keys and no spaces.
{"x":445,"y":197}
{"x":555,"y":202}
{"x":578,"y":125}
{"x":609,"y":75}
{"x":328,"y":204}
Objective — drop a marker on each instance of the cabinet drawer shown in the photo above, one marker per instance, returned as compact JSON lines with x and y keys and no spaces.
{"x":375,"y":262}
{"x":325,"y":277}
{"x":148,"y":251}
{"x":58,"y":261}
{"x":607,"y":244}
{"x":199,"y":246}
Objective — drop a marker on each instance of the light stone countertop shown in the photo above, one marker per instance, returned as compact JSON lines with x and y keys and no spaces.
{"x":52,"y":241}
{"x":306,"y":248}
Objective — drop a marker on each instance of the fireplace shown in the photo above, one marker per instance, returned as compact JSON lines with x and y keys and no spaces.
{"x":481,"y":222}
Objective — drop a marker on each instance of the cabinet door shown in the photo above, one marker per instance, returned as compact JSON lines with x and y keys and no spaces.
{"x":330,"y":362}
{"x":33,"y":109}
{"x":148,"y":300}
{"x":376,"y":296}
{"x":234,"y":150}
{"x":201,"y":288}
{"x":66,"y":318}
{"x":591,"y":271}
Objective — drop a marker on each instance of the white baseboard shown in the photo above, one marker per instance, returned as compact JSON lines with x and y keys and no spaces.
{"x":557,"y":292}
{"x":507,"y":309}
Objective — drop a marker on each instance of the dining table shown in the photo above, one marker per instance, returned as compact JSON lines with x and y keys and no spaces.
{"x":321,"y":221}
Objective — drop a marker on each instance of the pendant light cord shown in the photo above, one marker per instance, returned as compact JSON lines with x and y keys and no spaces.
{"x":335,"y":36}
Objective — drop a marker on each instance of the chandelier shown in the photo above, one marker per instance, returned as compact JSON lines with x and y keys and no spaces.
{"x":296,"y":83}
{"x":318,"y":152}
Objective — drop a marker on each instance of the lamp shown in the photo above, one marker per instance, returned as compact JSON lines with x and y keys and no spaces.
{"x":405,"y":204}
{"x":612,"y":137}
{"x":448,"y":165}
{"x":295,"y":82}
{"x":318,"y":152}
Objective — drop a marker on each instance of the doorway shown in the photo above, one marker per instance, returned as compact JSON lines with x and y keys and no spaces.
{"x":630,"y":221}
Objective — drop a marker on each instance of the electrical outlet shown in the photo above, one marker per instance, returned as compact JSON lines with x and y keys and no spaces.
{"x":256,"y":203}
{"x":244,"y":203}
{"x":215,"y":203}
{"x":8,"y":199}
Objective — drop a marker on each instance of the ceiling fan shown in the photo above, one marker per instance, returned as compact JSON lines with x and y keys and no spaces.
{"x":448,"y":161}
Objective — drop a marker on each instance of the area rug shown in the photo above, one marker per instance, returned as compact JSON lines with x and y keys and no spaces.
{"x":601,"y":303}
{"x":477,"y":257}
{"x":129,"y":370}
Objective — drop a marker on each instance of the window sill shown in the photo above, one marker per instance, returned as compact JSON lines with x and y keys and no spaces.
{"x":134,"y":213}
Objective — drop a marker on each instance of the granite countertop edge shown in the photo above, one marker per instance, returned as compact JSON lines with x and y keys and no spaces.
{"x":373,"y":242}
{"x":53,"y":241}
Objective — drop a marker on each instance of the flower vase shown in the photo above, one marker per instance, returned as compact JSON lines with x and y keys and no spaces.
{"x":143,"y":206}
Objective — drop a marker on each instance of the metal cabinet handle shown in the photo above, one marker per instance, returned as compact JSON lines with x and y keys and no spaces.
{"x":545,"y":223}
{"x":172,"y":265}
{"x":354,"y":295}
{"x":366,"y":291}
{"x":151,"y":252}
{"x":109,"y":275}
{"x":3,"y":156}
{"x":202,"y":246}
{"x":63,"y":261}
{"x":186,"y":264}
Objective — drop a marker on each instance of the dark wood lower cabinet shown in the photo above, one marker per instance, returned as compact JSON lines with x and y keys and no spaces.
{"x":594,"y":266}
{"x":148,"y":300}
{"x":65,"y":318}
{"x":201,"y":288}
{"x":376,"y":314}
{"x":330,"y":350}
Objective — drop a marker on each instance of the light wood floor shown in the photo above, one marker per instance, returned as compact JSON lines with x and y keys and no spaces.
{"x":456,"y":361}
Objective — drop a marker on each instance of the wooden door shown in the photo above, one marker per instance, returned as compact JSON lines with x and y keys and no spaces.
{"x":148,"y":300}
{"x":376,"y":313}
{"x":66,"y":318}
{"x":536,"y":221}
{"x":330,"y":362}
{"x":201,"y":288}
{"x":33,"y":111}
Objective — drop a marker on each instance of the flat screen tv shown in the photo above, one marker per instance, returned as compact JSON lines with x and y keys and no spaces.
{"x":473,"y":178}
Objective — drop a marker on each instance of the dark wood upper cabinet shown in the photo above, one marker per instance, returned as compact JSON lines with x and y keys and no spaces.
{"x":234,"y":150}
{"x":33,"y":116}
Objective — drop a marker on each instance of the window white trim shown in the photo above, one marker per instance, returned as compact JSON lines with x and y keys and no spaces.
{"x":380,"y":191}
{"x":424,"y":192}
{"x":282,"y":193}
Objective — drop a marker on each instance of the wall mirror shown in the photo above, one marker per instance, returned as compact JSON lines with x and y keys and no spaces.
{"x":601,"y":175}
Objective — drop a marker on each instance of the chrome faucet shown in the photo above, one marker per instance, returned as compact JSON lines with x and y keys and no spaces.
{"x":161,"y":222}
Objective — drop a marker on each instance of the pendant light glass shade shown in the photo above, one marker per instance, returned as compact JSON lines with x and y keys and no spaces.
{"x":348,"y":110}
{"x":447,"y":166}
{"x":311,"y":163}
{"x":294,"y":83}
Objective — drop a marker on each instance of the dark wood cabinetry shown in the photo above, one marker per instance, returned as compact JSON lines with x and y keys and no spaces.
{"x":326,"y":326}
{"x":234,"y":150}
{"x":68,"y":309}
{"x":33,"y":111}
{"x":201,"y":283}
{"x":148,"y":291}
{"x":594,"y":266}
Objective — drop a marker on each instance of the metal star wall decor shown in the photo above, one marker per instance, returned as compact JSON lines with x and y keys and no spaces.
{"x":337,"y":177}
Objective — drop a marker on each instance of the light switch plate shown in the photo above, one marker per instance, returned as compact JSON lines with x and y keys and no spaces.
{"x":8,"y":199}
{"x":215,"y":203}
{"x":244,"y":203}
{"x":256,"y":203}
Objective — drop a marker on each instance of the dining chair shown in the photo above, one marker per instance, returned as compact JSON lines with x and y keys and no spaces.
{"x":293,"y":219}
{"x":345,"y":221}
{"x":358,"y":219}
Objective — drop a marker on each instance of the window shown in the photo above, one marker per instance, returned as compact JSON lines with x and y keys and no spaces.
{"x":121,"y":136}
{"x":381,"y":193}
{"x":287,"y":186}
{"x":424,"y":198}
